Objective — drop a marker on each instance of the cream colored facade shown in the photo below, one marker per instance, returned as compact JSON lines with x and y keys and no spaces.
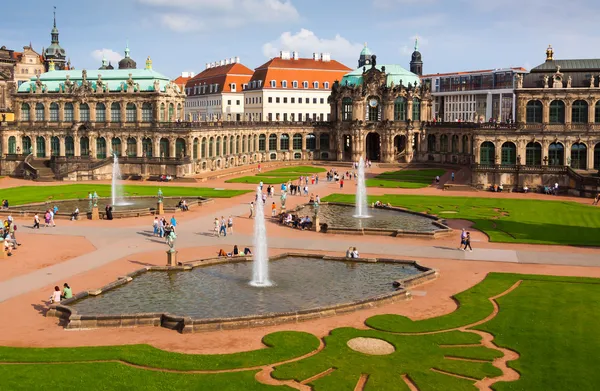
{"x":29,"y":65}
{"x":292,"y":105}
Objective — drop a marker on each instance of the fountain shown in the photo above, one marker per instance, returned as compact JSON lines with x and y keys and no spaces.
{"x":362,"y":211}
{"x":116,"y":188}
{"x":260,"y":258}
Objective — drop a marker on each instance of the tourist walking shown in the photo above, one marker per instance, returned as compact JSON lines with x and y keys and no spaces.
{"x":223,"y":228}
{"x":342,"y":183}
{"x":273,"y":209}
{"x":251,"y":210}
{"x":52,"y":217}
{"x":596,"y":199}
{"x":468,"y":242}
{"x":173,"y":221}
{"x":12,"y":230}
{"x":217,"y":225}
{"x":36,"y":221}
{"x":463,"y":236}
{"x":452,"y":177}
{"x":260,"y":184}
{"x":230,"y":225}
{"x":155,"y":226}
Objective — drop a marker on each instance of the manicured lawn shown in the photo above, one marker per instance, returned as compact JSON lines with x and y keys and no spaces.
{"x":507,"y":220}
{"x":405,"y":179}
{"x":30,"y":194}
{"x":552,"y":322}
{"x":279,"y":176}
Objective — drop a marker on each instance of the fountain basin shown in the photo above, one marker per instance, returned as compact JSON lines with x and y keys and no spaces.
{"x":135,"y":206}
{"x":387,"y":221}
{"x":214,"y":294}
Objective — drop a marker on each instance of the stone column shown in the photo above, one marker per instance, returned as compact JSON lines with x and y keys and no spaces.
{"x":388,"y":111}
{"x":76,"y":112}
{"x":172,"y":147}
{"x":590,"y":155}
{"x":47,"y":139}
{"x":123,"y":112}
{"x":92,"y":112}
{"x":156,"y":147}
{"x":488,"y":109}
{"x":33,"y":145}
{"x":568,"y":112}
{"x":138,"y":112}
{"x":546,"y":111}
{"x":108,"y":112}
{"x":591,"y":111}
{"x":139,"y":147}
{"x":92,"y":140}
{"x":76,"y":145}
{"x":61,"y":149}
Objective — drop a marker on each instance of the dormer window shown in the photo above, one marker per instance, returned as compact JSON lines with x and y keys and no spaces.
{"x":284,"y":84}
{"x":295,"y":84}
{"x":245,"y":86}
{"x":210,"y":89}
{"x":273,"y":83}
{"x":305,"y":84}
{"x":216,"y":88}
{"x":259,"y":83}
{"x":326,"y":85}
{"x":316,"y":85}
{"x":233,"y":87}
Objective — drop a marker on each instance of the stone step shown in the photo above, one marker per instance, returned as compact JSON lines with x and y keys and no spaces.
{"x":457,"y":187}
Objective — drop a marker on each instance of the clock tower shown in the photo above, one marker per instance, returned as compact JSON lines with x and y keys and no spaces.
{"x":366,"y":57}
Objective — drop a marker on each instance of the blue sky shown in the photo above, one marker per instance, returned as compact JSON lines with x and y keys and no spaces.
{"x":182,"y":35}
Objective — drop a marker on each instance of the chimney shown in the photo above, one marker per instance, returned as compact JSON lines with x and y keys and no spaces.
{"x":226,"y":61}
{"x":222,"y":62}
{"x":237,"y":60}
{"x":316,"y":56}
{"x":325,"y":57}
{"x":232,"y":60}
{"x":207,"y":65}
{"x":295,"y":55}
{"x":284,"y":55}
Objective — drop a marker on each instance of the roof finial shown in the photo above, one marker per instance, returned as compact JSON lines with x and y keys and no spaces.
{"x":365,"y":44}
{"x":54,"y":16}
{"x":549,"y":53}
{"x":416,"y":44}
{"x":127,"y":50}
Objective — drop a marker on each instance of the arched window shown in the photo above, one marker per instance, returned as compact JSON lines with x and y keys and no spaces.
{"x":130,"y":113}
{"x":115,"y":112}
{"x":195,"y":149}
{"x":164,"y":147}
{"x":131,"y":147}
{"x":252,"y":143}
{"x":262,"y":143}
{"x":12,"y":145}
{"x":54,"y":146}
{"x":579,"y":112}
{"x":556,"y":154}
{"x":455,"y":143}
{"x":431,"y":147}
{"x":147,"y":147}
{"x":534,"y":112}
{"x":579,"y":156}
{"x":53,"y":112}
{"x":487,"y":153}
{"x":347,"y":109}
{"x":40,"y":144}
{"x":115,"y":146}
{"x":203,"y":148}
{"x":39,"y":112}
{"x":231,"y":146}
{"x":84,"y":146}
{"x":273,"y":142}
{"x":147,"y":112}
{"x":211,"y":144}
{"x":68,"y":112}
{"x":597,"y":157}
{"x":100,"y":112}
{"x":597,"y":112}
{"x":324,"y":142}
{"x":416,"y":111}
{"x":533,"y":154}
{"x":509,"y":154}
{"x":84,"y":112}
{"x":218,"y":148}
{"x":171,"y":112}
{"x":444,"y":143}
{"x":311,"y":142}
{"x":100,"y":148}
{"x":296,"y":141}
{"x":224,"y":145}
{"x":400,"y":109}
{"x":25,"y":112}
{"x":285,"y":142}
{"x":69,"y":146}
{"x":238,"y":144}
{"x":465,"y":144}
{"x":373,"y":109}
{"x":180,"y":148}
{"x":557,"y":112}
{"x":162,"y":112}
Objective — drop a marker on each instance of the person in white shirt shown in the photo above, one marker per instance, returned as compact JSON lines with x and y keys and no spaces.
{"x":354,"y":253}
{"x":55,"y":297}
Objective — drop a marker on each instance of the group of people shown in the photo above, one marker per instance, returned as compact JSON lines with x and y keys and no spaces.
{"x":4,"y":204}
{"x":183,"y":206}
{"x":224,"y":226}
{"x":163,"y":228}
{"x":465,"y":241}
{"x":352,"y":252}
{"x":9,"y":230}
{"x":57,"y":295}
{"x":235,"y":252}
{"x":48,"y":218}
{"x":296,"y":221}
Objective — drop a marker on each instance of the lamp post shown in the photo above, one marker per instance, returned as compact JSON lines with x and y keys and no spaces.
{"x":160,"y":210}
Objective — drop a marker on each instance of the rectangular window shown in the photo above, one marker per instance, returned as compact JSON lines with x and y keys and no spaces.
{"x":229,"y":102}
{"x":270,"y":116}
{"x":322,"y":100}
{"x":300,"y":117}
{"x":277,"y":100}
{"x":307,"y":100}
{"x":305,"y":84}
{"x":237,"y":102}
{"x":233,"y":87}
{"x":270,"y":99}
{"x":284,"y":84}
{"x":284,"y":100}
{"x":293,"y":100}
{"x":285,"y":117}
{"x":315,"y":101}
{"x":316,"y":85}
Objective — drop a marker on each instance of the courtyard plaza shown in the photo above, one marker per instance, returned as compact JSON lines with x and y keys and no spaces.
{"x":90,"y":254}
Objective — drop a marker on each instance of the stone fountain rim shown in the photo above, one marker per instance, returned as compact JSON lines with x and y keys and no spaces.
{"x":186,"y":324}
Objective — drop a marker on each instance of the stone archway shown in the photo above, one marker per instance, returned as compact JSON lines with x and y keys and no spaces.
{"x":347,"y":147}
{"x":373,"y":146}
{"x":400,"y":148}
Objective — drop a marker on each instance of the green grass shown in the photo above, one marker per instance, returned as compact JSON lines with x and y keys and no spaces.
{"x":31,"y":194}
{"x":405,"y":179}
{"x":279,"y":176}
{"x":551,"y":321}
{"x":507,"y":220}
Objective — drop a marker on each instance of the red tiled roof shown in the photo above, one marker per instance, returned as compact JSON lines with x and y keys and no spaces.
{"x":181,"y":81}
{"x":470,"y":72}
{"x":301,"y":70}
{"x":224,"y":76}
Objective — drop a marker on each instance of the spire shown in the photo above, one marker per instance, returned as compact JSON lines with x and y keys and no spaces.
{"x":416,"y":44}
{"x":54,"y":16}
{"x":127,"y":50}
{"x":104,"y":61}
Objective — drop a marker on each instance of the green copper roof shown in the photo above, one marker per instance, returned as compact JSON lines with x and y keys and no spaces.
{"x":366,"y":51}
{"x":113,"y":78}
{"x":395,"y":74}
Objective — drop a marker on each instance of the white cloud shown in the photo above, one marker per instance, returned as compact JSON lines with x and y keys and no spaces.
{"x":198,"y":15}
{"x":306,"y":42}
{"x":109,"y":54}
{"x":392,"y":3}
{"x":409,"y":48}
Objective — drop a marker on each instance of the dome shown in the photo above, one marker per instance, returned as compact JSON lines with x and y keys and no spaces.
{"x":127,"y":63}
{"x":366,"y":51}
{"x":395,"y":74}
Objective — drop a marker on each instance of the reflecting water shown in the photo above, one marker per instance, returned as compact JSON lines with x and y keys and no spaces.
{"x":222,"y":291}
{"x":340,"y":216}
